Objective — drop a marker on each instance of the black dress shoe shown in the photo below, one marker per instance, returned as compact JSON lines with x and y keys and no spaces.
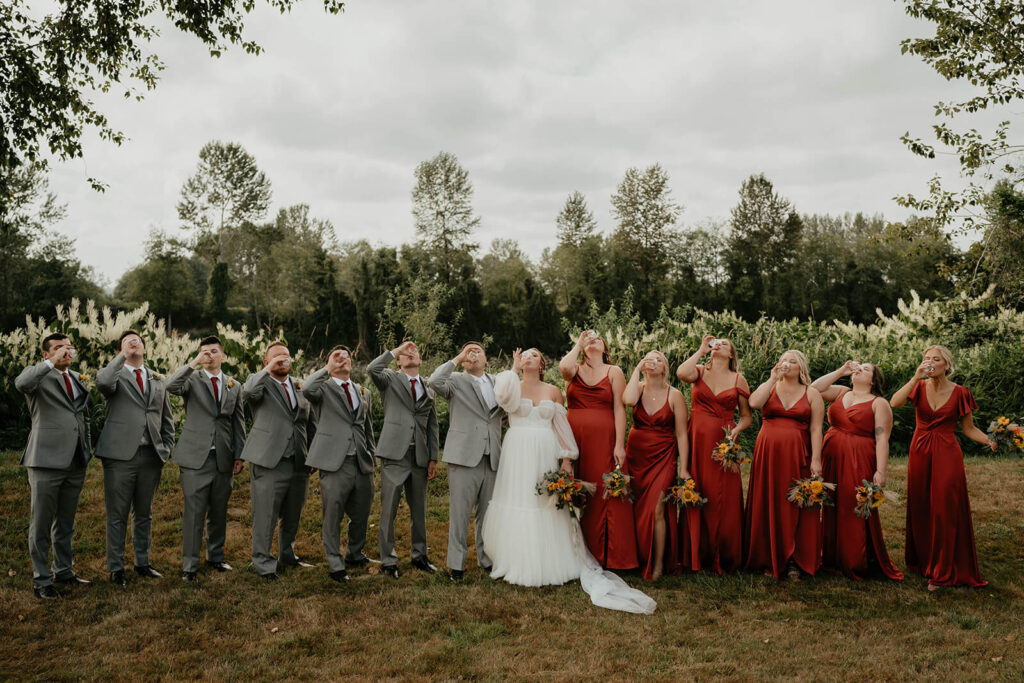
{"x":46,"y":592}
{"x":390,"y":570}
{"x":74,"y":579}
{"x":118,"y":578}
{"x":486,"y":569}
{"x":341,"y":576}
{"x":423,"y":564}
{"x":455,"y":575}
{"x":360,"y":561}
{"x":296,"y":564}
{"x":270,"y":577}
{"x":147,"y":572}
{"x":188,"y":576}
{"x":221,"y":566}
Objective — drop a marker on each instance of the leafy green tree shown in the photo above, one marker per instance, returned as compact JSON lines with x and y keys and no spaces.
{"x":442,"y":207}
{"x":643,"y":206}
{"x":980,"y":42}
{"x":55,"y":57}
{"x":995,"y":259}
{"x":170,"y":280}
{"x":575,"y":223}
{"x":576,"y":269}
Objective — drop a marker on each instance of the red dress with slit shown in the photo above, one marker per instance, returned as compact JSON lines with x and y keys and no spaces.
{"x":852,"y":545}
{"x":712,"y":535}
{"x":607,"y":525}
{"x":652,"y":454}
{"x":777,"y":531}
{"x":940,"y":535}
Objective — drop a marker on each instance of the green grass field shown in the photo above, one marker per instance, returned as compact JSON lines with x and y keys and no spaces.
{"x":235,"y":625}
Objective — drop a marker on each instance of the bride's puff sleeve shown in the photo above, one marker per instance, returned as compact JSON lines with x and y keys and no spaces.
{"x":506,"y":390}
{"x":566,"y":440}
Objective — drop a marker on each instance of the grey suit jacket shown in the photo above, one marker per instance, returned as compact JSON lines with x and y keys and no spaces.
{"x":339,"y":429}
{"x":277,"y":430}
{"x":208,"y":424}
{"x":471,"y":424}
{"x":59,"y":425}
{"x":404,"y":423}
{"x":130,"y":414}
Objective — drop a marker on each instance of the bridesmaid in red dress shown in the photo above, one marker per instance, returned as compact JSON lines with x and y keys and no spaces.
{"x":598,"y":419}
{"x":656,"y":452}
{"x":713,"y":534}
{"x":940,"y":535}
{"x":779,"y":537}
{"x":855,"y":449}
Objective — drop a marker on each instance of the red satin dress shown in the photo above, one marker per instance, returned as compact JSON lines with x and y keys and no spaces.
{"x":940,"y":535}
{"x":777,"y":531}
{"x":852,"y":545}
{"x":652,"y":454}
{"x":607,"y":524}
{"x":712,"y":535}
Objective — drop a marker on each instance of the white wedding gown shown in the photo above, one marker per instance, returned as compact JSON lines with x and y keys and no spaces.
{"x":530,"y":542}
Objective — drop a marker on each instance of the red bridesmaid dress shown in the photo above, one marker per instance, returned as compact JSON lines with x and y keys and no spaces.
{"x":607,"y":524}
{"x":851,"y":544}
{"x":777,"y":531}
{"x":940,"y":535}
{"x":712,"y":535}
{"x":652,"y":454}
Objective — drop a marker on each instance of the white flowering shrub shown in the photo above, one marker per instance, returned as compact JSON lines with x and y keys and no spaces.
{"x":95,"y":332}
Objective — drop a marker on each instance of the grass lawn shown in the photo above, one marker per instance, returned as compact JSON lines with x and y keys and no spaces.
{"x":235,"y":625}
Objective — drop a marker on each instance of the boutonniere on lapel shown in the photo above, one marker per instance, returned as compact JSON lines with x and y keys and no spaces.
{"x":231,"y":383}
{"x":83,"y":378}
{"x":156,"y":375}
{"x":297,"y":383}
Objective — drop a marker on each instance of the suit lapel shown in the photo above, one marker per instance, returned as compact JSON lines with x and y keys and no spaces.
{"x":479,"y":395}
{"x":129,"y":385}
{"x":405,"y":389}
{"x":339,"y":391}
{"x":59,"y":379}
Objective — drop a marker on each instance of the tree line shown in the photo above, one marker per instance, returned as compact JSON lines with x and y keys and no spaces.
{"x":295,"y":272}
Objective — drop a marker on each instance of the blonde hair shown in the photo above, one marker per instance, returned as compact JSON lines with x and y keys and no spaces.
{"x":946,"y":354}
{"x":801,"y":361}
{"x":734,"y":359}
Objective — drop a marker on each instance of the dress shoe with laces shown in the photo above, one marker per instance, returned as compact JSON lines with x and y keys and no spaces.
{"x":455,"y":575}
{"x":73,"y":580}
{"x":423,"y":564}
{"x":221,"y":566}
{"x":147,"y":572}
{"x":360,"y":561}
{"x":46,"y":592}
{"x":270,"y":577}
{"x":390,"y":570}
{"x":341,"y":576}
{"x":188,"y":576}
{"x":118,"y":578}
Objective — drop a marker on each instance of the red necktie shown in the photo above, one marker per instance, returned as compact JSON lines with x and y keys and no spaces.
{"x":216,"y":391}
{"x":67,"y":385}
{"x":138,"y":380}
{"x":347,"y":394}
{"x":291,"y":404}
{"x":412,"y":380}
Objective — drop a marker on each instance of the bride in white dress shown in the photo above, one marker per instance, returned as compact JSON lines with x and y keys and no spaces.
{"x":530,"y":542}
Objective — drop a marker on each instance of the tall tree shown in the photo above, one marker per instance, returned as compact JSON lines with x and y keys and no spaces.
{"x":170,"y":280}
{"x":575,"y":223}
{"x":227,"y":191}
{"x":576,"y":268}
{"x":442,"y":208}
{"x":980,"y":42}
{"x":54,"y":57}
{"x":646,"y":213}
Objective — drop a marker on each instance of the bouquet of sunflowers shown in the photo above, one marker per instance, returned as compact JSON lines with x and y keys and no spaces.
{"x":684,"y":493}
{"x":870,"y":496}
{"x":616,"y":485}
{"x":729,"y":453}
{"x":1007,"y":434}
{"x":812,"y":492}
{"x":566,"y":491}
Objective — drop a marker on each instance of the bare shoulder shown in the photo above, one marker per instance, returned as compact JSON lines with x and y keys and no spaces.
{"x":554,"y":394}
{"x":741,"y":382}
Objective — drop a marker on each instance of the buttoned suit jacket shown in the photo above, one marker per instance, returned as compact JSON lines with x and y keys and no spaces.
{"x":59,"y":425}
{"x":339,"y":429}
{"x":130,"y":414}
{"x":276,"y":429}
{"x":404,"y":422}
{"x":208,"y":423}
{"x":471,"y":423}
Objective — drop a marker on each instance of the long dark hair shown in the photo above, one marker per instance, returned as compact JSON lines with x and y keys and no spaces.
{"x":877,"y":381}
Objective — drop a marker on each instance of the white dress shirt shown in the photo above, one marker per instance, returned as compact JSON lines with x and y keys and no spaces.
{"x":353,"y":392}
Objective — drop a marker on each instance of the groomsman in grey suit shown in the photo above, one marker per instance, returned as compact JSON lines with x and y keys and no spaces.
{"x":472,"y":449}
{"x":135,"y":443}
{"x":56,"y":455}
{"x":208,"y":454}
{"x":342,"y":451}
{"x":407,"y":449}
{"x":276,"y":452}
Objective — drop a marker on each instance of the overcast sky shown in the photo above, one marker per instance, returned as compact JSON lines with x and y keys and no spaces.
{"x":536,"y":99}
